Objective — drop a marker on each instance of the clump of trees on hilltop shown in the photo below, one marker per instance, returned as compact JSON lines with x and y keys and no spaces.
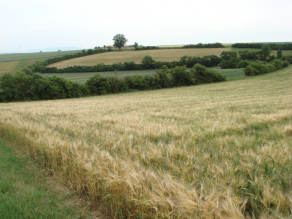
{"x":26,"y":86}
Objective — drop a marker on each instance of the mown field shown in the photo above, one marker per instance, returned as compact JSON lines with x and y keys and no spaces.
{"x":210,"y":151}
{"x":137,"y":56}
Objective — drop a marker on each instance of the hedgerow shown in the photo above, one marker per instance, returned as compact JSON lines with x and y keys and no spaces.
{"x":25,"y":87}
{"x":259,"y":67}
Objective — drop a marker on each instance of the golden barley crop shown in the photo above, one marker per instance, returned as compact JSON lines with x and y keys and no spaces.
{"x":209,"y":151}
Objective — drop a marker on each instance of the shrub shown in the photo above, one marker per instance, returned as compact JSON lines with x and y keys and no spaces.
{"x":137,"y":82}
{"x":287,"y":58}
{"x":163,"y":78}
{"x":231,"y":63}
{"x":285,"y":64}
{"x":59,"y":87}
{"x":226,"y":55}
{"x":27,"y":71}
{"x":98,"y":85}
{"x":148,"y":62}
{"x":250,"y":71}
{"x":242,"y":64}
{"x":203,"y":75}
{"x":182,"y":77}
{"x":277,"y":63}
{"x":257,"y":68}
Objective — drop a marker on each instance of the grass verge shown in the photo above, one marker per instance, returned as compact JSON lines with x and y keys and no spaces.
{"x":26,"y":191}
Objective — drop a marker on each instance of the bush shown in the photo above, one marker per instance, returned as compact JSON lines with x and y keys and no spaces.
{"x":231,"y":63}
{"x":148,"y":62}
{"x":27,"y":71}
{"x":287,"y":58}
{"x":226,"y":55}
{"x":285,"y":64}
{"x":277,"y":63}
{"x":98,"y":85}
{"x":137,"y":82}
{"x":246,"y":55}
{"x":203,"y":75}
{"x":250,"y":71}
{"x":163,"y":78}
{"x":242,"y":64}
{"x":182,"y":77}
{"x":257,"y":68}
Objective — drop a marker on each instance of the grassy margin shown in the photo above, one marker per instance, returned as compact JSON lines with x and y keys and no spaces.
{"x":29,"y":191}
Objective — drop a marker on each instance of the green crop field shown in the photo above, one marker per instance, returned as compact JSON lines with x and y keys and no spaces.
{"x":230,"y":74}
{"x":83,"y":77}
{"x":13,"y":66}
{"x":209,"y":151}
{"x":36,"y":55}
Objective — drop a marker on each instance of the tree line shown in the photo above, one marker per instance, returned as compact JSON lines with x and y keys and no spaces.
{"x":24,"y":86}
{"x":273,"y":46}
{"x":147,"y":63}
{"x":231,"y":60}
{"x":207,"y":45}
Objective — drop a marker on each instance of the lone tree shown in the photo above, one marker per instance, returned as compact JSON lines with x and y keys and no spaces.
{"x":119,"y":40}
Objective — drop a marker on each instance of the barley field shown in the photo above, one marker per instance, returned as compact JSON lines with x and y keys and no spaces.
{"x":209,"y":151}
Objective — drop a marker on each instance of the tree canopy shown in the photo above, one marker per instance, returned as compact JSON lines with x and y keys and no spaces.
{"x":119,"y":40}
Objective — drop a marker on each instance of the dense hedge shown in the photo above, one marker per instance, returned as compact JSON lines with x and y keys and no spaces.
{"x":147,"y":63}
{"x":230,"y":59}
{"x":258,"y":67}
{"x":208,"y":45}
{"x":208,"y":61}
{"x":231,"y":63}
{"x":273,"y":46}
{"x":22,"y":86}
{"x":147,"y":47}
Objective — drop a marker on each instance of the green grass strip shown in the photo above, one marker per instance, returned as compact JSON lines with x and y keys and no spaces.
{"x":25,"y":193}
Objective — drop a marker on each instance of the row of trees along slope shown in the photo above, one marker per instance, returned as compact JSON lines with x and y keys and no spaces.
{"x":273,"y":46}
{"x":231,"y":60}
{"x":26,"y":86}
{"x":147,"y":63}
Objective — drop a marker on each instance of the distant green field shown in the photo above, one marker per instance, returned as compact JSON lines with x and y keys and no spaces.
{"x":36,"y":55}
{"x":83,"y":77}
{"x":230,"y":74}
{"x":10,"y":67}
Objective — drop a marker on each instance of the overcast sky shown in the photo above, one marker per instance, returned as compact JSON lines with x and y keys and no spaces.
{"x":37,"y":24}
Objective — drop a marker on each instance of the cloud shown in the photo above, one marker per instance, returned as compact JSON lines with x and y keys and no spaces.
{"x":37,"y":28}
{"x":13,"y":30}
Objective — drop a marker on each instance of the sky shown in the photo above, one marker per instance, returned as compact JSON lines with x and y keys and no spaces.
{"x":39,"y":24}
